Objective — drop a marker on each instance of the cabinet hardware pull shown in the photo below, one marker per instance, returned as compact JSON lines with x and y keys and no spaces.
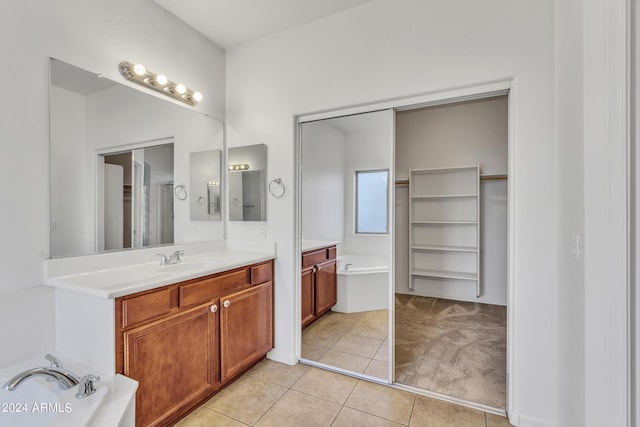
{"x":213,"y":308}
{"x":226,"y":303}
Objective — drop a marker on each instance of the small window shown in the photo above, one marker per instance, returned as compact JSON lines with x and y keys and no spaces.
{"x":372,"y":201}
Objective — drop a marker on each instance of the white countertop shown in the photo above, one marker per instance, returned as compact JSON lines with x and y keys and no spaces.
{"x":111,"y":282}
{"x":309,"y":245}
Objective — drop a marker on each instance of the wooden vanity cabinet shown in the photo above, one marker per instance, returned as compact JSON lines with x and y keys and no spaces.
{"x":184,"y":341}
{"x":175,"y":361}
{"x":246,"y":329}
{"x":318,"y":283}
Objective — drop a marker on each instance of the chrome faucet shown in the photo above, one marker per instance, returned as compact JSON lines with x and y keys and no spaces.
{"x":174,"y":258}
{"x":86,"y":387}
{"x":346,"y":266}
{"x":64,"y":378}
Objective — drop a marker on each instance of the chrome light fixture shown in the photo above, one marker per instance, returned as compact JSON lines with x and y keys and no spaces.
{"x":159,"y":82}
{"x":239,"y":167}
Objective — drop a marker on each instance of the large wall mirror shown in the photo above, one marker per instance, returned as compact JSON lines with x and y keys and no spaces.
{"x":247,"y":168}
{"x":119,"y":158}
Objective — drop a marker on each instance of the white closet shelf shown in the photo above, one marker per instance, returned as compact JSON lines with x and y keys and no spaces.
{"x":444,"y":169}
{"x":445,"y":274}
{"x":444,"y":222}
{"x":443,"y":196}
{"x":444,"y":248}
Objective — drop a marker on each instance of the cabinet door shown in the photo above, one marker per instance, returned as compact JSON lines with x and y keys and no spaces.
{"x":246,"y":331}
{"x":174,"y":360}
{"x":326,"y":292}
{"x":308,"y":305}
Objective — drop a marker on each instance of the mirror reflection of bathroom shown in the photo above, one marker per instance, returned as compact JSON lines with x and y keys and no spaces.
{"x":246,"y":176}
{"x":92,"y":117}
{"x":345,"y":284}
{"x":136,"y":196}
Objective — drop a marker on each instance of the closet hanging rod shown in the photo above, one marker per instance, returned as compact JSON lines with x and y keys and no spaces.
{"x":493,"y":177}
{"x":482,"y":178}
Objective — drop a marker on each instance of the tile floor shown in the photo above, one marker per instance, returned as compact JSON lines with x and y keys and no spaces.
{"x":274,"y":394}
{"x":356,"y":342}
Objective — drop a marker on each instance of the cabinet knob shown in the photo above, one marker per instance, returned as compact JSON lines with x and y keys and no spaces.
{"x":213,"y":308}
{"x":226,"y":303}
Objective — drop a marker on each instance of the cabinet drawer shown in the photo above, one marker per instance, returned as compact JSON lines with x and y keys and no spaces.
{"x":331,"y":253}
{"x":261,"y":273}
{"x":207,"y":289}
{"x":145,"y":307}
{"x":313,"y":258}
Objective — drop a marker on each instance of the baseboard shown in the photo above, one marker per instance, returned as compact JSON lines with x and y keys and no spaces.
{"x":520,"y":420}
{"x":287,"y":359}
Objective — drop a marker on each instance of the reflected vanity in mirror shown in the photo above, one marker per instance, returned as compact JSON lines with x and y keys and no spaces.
{"x":206,"y":197}
{"x":118,"y":155}
{"x":246,"y":179}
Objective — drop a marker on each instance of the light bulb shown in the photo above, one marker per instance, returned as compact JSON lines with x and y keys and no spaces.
{"x":161,"y":79}
{"x":180,"y":88}
{"x":197,"y":96}
{"x":139,"y":69}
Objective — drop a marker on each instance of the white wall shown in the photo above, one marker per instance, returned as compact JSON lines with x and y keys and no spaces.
{"x":322,"y":181}
{"x":67,"y":132}
{"x":460,"y":134}
{"x":569,"y":122}
{"x":366,"y":149}
{"x":96,"y":36}
{"x":386,"y":49}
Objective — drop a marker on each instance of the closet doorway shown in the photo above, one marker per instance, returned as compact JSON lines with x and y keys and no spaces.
{"x":451,"y":249}
{"x":442,"y":308}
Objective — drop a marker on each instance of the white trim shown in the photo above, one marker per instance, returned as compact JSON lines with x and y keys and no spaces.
{"x":606,"y":210}
{"x":444,"y":397}
{"x":512,"y":214}
{"x":447,"y":96}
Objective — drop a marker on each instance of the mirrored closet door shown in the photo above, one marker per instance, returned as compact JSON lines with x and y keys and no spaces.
{"x":346,"y":248}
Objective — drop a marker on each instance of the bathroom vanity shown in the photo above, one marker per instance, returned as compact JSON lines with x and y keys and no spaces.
{"x":182,"y":342}
{"x":182,"y":331}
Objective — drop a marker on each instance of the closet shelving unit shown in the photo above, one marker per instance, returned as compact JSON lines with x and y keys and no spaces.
{"x":444,"y":221}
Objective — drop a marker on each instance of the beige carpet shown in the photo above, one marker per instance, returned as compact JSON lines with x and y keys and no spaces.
{"x":452,"y":347}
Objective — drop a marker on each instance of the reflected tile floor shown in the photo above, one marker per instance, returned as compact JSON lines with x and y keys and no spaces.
{"x":357,"y":342}
{"x":451,"y":347}
{"x":274,"y":394}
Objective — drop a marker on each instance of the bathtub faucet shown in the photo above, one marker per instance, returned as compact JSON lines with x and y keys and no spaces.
{"x":346,"y":266}
{"x":64,"y":378}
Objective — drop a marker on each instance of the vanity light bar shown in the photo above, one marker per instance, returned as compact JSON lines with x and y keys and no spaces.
{"x":242,"y":167}
{"x":159,"y":82}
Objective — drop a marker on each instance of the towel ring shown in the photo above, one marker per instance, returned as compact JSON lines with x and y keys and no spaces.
{"x":277,"y":194}
{"x":181,"y":192}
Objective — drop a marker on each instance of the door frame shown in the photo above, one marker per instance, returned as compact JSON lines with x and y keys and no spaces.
{"x":467,"y":93}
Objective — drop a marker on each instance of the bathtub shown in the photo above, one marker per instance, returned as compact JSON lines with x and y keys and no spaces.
{"x":38,"y":402}
{"x":363,"y":283}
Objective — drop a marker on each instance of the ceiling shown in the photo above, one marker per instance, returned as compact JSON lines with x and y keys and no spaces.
{"x":230,"y":22}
